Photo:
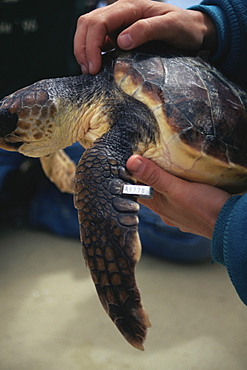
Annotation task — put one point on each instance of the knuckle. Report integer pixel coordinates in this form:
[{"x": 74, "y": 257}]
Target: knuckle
[
  {"x": 142, "y": 29},
  {"x": 152, "y": 177},
  {"x": 88, "y": 19},
  {"x": 81, "y": 20}
]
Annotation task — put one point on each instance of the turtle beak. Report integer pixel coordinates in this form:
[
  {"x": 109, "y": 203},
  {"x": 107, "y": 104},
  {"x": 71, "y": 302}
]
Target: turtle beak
[{"x": 8, "y": 124}]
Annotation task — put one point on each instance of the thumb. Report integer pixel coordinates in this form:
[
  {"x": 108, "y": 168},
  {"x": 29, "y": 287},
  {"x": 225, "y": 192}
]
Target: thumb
[{"x": 149, "y": 173}]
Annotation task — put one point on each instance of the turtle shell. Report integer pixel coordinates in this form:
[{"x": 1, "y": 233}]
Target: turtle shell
[{"x": 201, "y": 116}]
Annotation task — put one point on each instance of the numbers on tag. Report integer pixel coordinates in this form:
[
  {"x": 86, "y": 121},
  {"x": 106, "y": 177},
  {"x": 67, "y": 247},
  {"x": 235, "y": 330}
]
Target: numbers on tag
[{"x": 141, "y": 191}]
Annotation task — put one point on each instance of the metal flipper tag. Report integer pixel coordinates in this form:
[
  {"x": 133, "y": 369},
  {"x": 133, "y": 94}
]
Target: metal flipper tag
[{"x": 140, "y": 191}]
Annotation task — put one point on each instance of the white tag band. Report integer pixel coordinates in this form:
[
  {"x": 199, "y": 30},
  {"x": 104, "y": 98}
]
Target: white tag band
[{"x": 141, "y": 191}]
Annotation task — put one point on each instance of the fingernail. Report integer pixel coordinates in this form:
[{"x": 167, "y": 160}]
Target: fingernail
[
  {"x": 137, "y": 166},
  {"x": 125, "y": 41},
  {"x": 84, "y": 69}
]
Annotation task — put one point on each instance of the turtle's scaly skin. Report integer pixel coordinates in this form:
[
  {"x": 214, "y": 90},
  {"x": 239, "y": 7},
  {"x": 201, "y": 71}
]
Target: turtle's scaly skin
[
  {"x": 110, "y": 241},
  {"x": 176, "y": 110},
  {"x": 59, "y": 168}
]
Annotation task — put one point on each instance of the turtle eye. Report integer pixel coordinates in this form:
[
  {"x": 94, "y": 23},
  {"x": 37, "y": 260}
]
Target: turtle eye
[{"x": 8, "y": 122}]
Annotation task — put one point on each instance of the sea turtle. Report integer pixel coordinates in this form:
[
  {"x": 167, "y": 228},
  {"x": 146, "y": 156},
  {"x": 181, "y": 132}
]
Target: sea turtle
[{"x": 170, "y": 107}]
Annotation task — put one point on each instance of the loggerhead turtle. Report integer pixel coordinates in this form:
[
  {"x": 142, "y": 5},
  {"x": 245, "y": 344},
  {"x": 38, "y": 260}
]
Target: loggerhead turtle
[{"x": 175, "y": 109}]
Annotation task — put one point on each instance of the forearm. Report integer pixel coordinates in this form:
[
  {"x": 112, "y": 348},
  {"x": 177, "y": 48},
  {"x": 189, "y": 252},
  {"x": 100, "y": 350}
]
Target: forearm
[
  {"x": 229, "y": 243},
  {"x": 230, "y": 20}
]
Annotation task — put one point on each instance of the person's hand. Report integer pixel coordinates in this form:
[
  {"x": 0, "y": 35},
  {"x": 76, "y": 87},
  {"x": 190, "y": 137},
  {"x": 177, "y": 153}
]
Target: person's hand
[
  {"x": 190, "y": 206},
  {"x": 130, "y": 23}
]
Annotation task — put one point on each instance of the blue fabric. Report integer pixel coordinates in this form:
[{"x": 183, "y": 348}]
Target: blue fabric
[
  {"x": 230, "y": 19},
  {"x": 8, "y": 162},
  {"x": 54, "y": 210},
  {"x": 229, "y": 243}
]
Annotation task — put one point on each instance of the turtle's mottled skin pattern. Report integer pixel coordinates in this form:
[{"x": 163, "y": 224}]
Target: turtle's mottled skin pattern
[
  {"x": 109, "y": 239},
  {"x": 109, "y": 223},
  {"x": 174, "y": 109}
]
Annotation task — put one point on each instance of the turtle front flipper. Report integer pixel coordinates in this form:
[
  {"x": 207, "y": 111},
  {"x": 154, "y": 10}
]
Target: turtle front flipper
[{"x": 110, "y": 239}]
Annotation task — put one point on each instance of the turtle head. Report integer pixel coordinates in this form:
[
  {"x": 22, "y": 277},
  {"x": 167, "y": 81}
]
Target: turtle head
[{"x": 33, "y": 120}]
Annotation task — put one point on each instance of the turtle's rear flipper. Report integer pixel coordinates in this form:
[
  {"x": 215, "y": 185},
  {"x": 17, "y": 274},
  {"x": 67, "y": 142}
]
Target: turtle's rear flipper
[
  {"x": 110, "y": 239},
  {"x": 60, "y": 169}
]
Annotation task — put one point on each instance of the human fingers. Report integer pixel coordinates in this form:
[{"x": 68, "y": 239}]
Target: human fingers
[
  {"x": 150, "y": 174},
  {"x": 136, "y": 22},
  {"x": 193, "y": 207},
  {"x": 81, "y": 41},
  {"x": 94, "y": 28},
  {"x": 181, "y": 28}
]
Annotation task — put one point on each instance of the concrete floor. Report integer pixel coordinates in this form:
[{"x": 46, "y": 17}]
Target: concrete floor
[{"x": 51, "y": 318}]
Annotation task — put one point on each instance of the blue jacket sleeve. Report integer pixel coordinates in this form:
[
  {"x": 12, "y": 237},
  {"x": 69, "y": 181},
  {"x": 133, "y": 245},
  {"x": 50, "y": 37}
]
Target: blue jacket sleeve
[
  {"x": 230, "y": 19},
  {"x": 229, "y": 243}
]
